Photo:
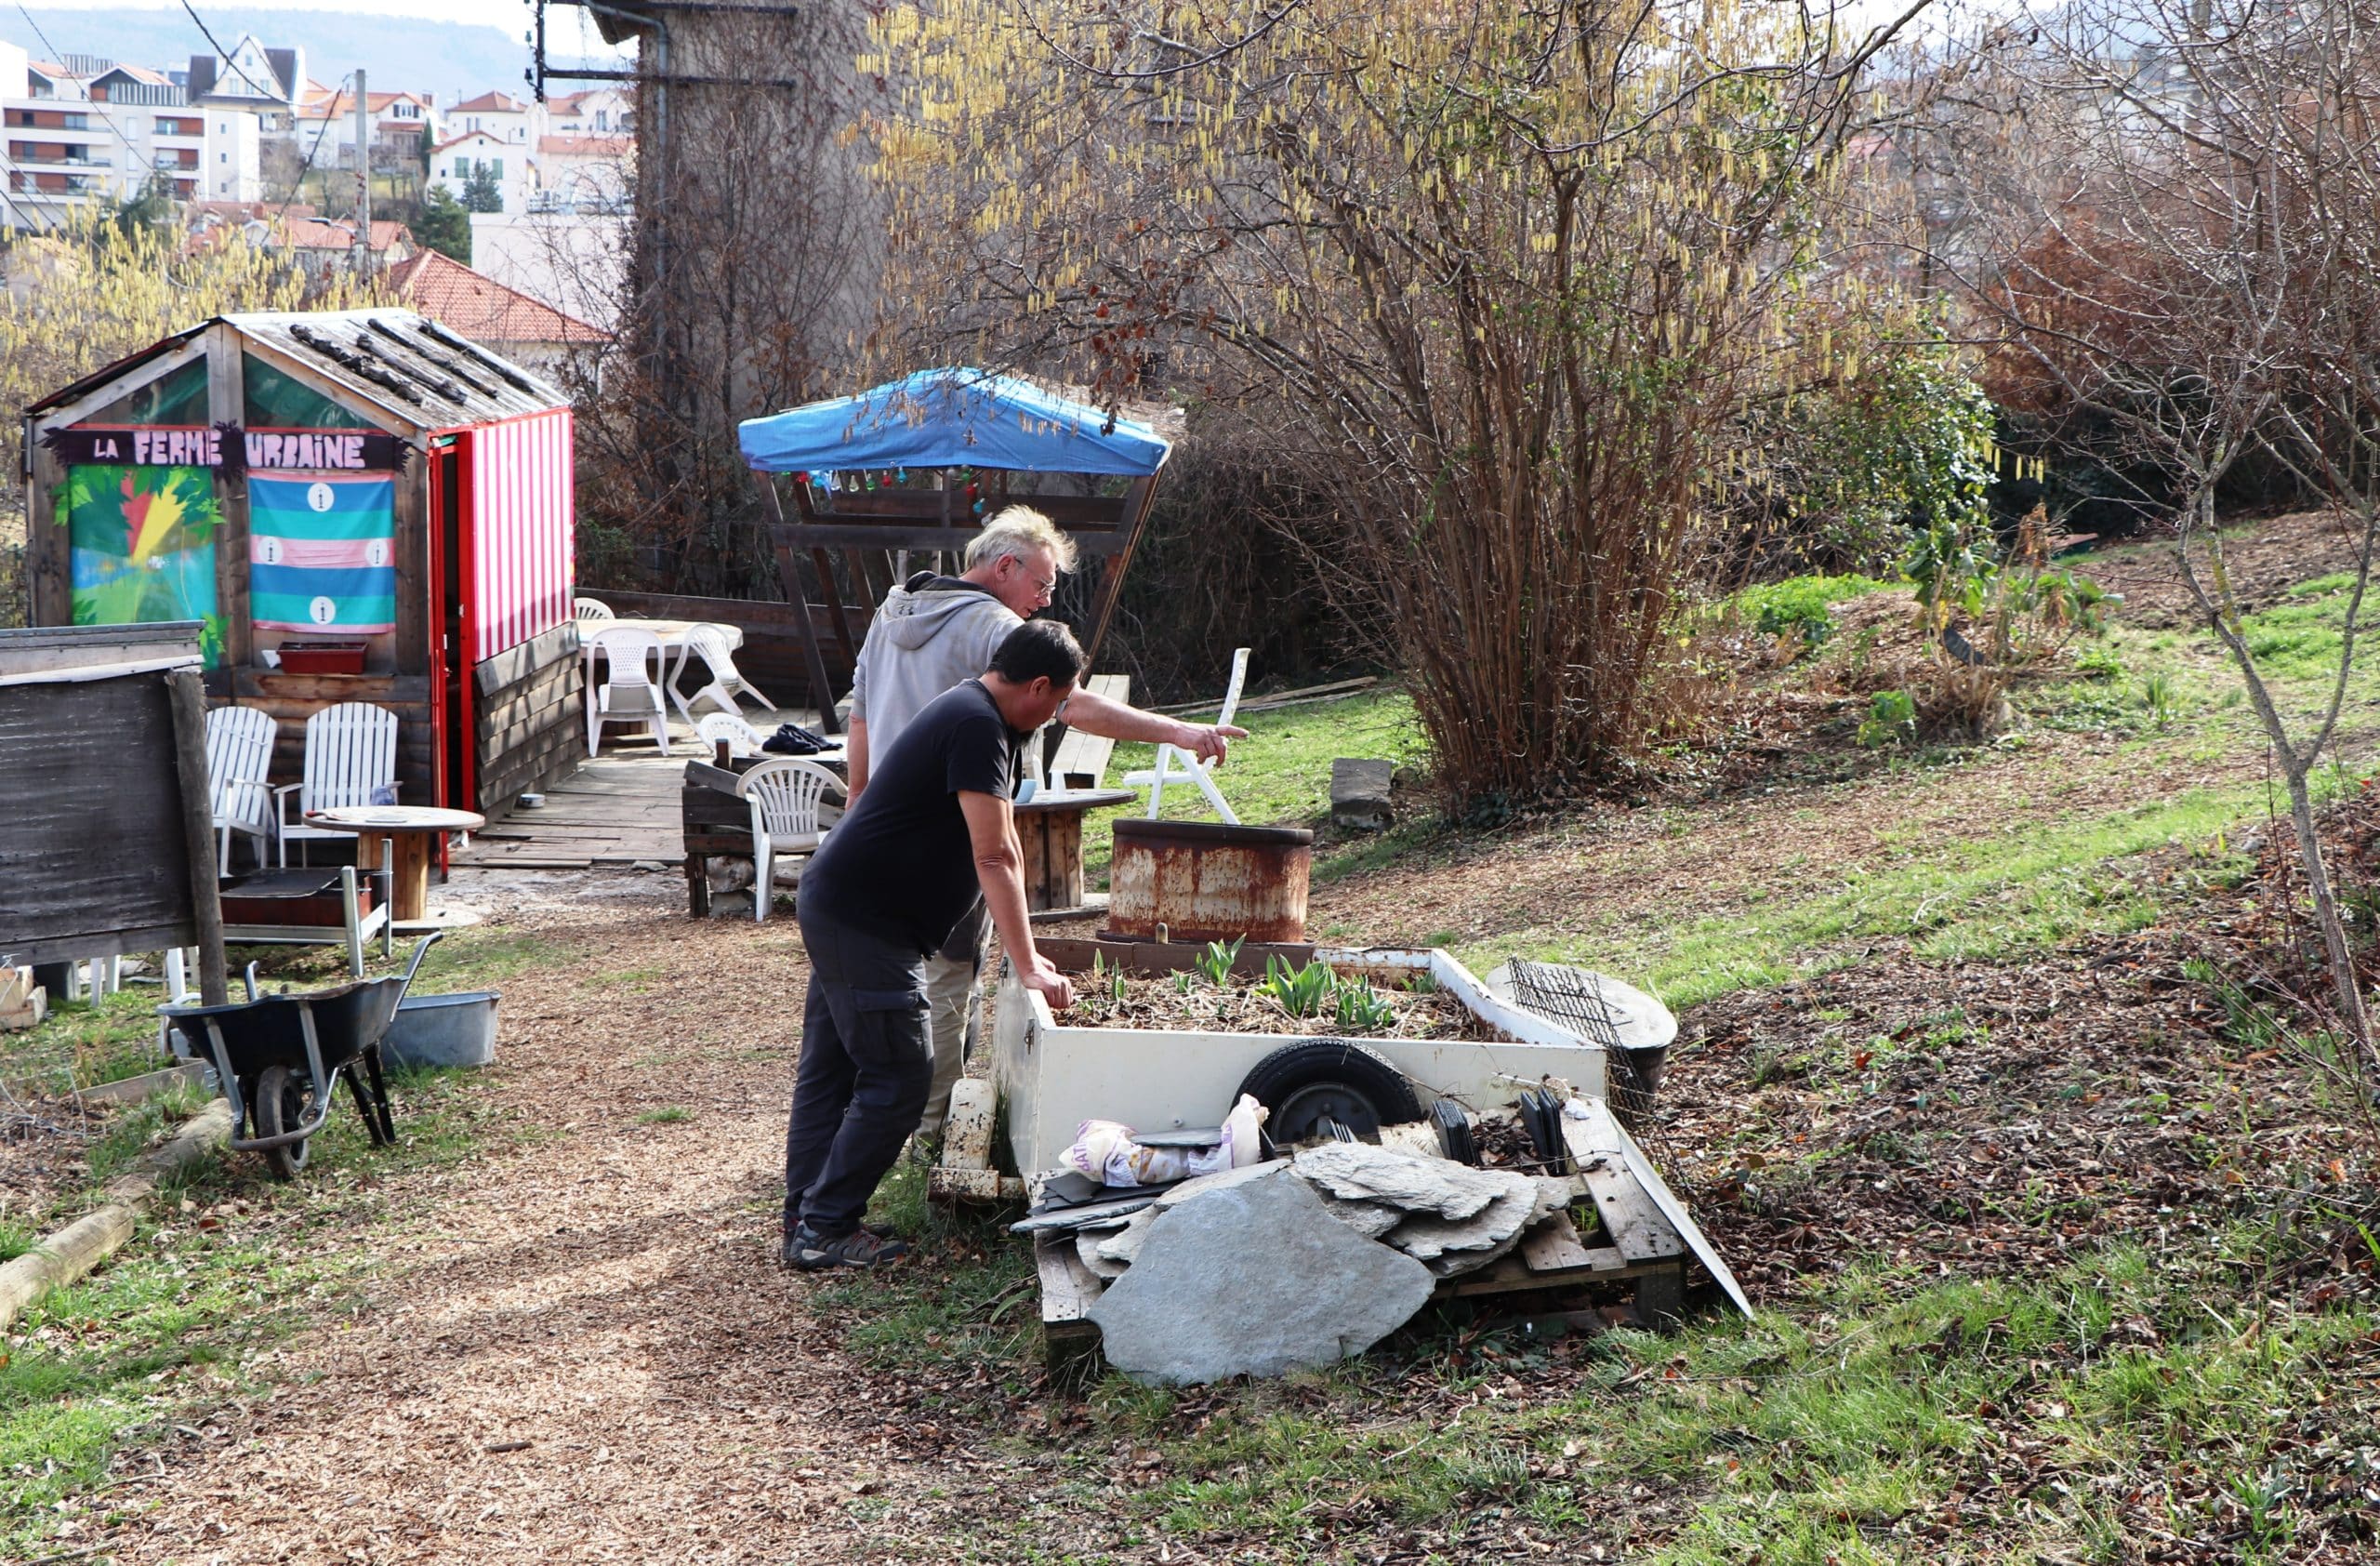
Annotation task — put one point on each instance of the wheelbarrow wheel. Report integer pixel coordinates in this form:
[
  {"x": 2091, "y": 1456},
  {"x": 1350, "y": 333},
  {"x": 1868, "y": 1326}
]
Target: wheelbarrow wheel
[{"x": 284, "y": 1099}]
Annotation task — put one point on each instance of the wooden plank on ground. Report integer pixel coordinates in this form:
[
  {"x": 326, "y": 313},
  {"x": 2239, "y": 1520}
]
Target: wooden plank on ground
[{"x": 1630, "y": 1214}]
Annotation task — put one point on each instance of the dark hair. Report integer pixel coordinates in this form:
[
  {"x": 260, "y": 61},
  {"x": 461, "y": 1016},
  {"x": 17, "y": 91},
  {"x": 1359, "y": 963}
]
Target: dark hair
[{"x": 1039, "y": 650}]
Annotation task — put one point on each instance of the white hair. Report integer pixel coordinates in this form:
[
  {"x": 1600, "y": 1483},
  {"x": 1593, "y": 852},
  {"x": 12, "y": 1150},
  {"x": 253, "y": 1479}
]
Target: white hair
[{"x": 1019, "y": 531}]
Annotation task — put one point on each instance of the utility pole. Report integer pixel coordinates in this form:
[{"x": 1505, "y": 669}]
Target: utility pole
[{"x": 362, "y": 177}]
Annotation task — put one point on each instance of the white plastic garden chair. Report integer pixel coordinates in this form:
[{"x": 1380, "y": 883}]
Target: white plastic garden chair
[
  {"x": 726, "y": 681},
  {"x": 351, "y": 761},
  {"x": 590, "y": 610},
  {"x": 628, "y": 694},
  {"x": 785, "y": 796},
  {"x": 742, "y": 738},
  {"x": 239, "y": 757},
  {"x": 1200, "y": 773}
]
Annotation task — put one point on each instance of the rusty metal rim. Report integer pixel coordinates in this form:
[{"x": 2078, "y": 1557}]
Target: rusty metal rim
[{"x": 1214, "y": 833}]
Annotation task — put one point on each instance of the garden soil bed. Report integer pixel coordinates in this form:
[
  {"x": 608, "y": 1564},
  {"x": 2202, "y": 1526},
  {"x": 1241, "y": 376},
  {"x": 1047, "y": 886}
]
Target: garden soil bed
[{"x": 1188, "y": 1002}]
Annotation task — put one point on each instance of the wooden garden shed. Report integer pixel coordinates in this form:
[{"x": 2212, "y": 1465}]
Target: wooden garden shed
[{"x": 363, "y": 478}]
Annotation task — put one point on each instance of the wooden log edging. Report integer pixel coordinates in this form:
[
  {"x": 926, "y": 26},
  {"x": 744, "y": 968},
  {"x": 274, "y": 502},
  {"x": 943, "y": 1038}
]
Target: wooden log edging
[{"x": 74, "y": 1250}]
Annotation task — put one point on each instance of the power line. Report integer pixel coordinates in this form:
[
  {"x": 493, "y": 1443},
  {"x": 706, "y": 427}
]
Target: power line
[{"x": 307, "y": 167}]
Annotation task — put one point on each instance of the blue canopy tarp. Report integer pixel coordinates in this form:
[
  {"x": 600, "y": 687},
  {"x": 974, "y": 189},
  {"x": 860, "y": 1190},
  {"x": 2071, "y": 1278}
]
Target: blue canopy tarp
[{"x": 950, "y": 419}]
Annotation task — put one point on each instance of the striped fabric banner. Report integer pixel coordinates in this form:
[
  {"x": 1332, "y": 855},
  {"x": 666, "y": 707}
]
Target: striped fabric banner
[
  {"x": 524, "y": 518},
  {"x": 322, "y": 553}
]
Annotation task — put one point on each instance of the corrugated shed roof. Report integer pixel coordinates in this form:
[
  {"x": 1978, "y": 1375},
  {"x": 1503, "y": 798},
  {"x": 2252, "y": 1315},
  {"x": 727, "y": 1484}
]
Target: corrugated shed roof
[
  {"x": 478, "y": 305},
  {"x": 398, "y": 361}
]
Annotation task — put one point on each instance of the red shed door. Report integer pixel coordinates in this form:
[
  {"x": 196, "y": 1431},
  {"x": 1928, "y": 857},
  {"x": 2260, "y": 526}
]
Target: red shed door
[{"x": 450, "y": 611}]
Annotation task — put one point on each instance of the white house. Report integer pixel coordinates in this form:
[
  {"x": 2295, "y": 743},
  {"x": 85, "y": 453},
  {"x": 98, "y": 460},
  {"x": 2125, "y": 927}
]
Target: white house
[
  {"x": 596, "y": 111},
  {"x": 324, "y": 125},
  {"x": 585, "y": 173},
  {"x": 507, "y": 119},
  {"x": 453, "y": 161},
  {"x": 249, "y": 78}
]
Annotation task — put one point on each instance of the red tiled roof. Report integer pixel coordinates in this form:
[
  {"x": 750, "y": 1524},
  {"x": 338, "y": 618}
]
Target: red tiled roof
[
  {"x": 330, "y": 105},
  {"x": 586, "y": 146},
  {"x": 315, "y": 233},
  {"x": 471, "y": 136},
  {"x": 479, "y": 307},
  {"x": 488, "y": 103}
]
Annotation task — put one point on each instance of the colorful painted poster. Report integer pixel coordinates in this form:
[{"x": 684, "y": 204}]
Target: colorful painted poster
[
  {"x": 322, "y": 554},
  {"x": 142, "y": 541}
]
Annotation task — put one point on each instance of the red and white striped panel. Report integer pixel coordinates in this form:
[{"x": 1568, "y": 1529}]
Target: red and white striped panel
[{"x": 523, "y": 525}]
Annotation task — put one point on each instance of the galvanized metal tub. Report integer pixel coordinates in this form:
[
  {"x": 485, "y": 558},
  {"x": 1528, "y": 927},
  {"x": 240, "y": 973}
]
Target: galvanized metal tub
[
  {"x": 458, "y": 1030},
  {"x": 1204, "y": 881}
]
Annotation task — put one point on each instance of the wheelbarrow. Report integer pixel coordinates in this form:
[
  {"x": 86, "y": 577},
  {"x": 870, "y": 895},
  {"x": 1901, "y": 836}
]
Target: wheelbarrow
[{"x": 279, "y": 1057}]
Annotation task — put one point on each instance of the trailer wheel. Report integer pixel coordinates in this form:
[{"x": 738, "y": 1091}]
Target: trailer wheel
[
  {"x": 284, "y": 1099},
  {"x": 1306, "y": 1084}
]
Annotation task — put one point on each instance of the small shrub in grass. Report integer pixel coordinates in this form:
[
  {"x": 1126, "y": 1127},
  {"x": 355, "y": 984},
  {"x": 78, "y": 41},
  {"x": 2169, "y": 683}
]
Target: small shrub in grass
[
  {"x": 2099, "y": 663},
  {"x": 1891, "y": 720},
  {"x": 1800, "y": 606},
  {"x": 2159, "y": 698}
]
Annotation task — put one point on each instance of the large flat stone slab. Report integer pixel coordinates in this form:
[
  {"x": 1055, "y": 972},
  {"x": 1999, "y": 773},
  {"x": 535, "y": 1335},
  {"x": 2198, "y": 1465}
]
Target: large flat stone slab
[
  {"x": 1256, "y": 1278},
  {"x": 1359, "y": 1172},
  {"x": 1359, "y": 793}
]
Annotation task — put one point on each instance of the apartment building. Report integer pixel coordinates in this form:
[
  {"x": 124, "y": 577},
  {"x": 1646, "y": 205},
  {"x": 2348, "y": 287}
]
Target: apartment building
[
  {"x": 456, "y": 160},
  {"x": 82, "y": 129}
]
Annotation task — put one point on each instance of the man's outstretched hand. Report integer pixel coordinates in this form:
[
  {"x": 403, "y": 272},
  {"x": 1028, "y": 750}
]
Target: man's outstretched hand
[{"x": 1207, "y": 742}]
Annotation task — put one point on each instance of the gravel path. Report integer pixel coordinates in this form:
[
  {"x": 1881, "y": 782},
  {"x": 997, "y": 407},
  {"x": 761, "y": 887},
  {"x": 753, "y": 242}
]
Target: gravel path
[{"x": 603, "y": 1291}]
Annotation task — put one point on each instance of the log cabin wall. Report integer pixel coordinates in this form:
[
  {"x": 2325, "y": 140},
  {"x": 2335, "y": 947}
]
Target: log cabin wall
[{"x": 529, "y": 716}]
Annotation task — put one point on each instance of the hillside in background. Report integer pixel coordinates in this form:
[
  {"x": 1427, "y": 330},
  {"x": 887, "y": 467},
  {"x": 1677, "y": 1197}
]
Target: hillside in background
[{"x": 398, "y": 52}]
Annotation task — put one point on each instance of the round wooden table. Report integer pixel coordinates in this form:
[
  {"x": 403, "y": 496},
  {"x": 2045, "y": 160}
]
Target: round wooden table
[
  {"x": 1049, "y": 829},
  {"x": 409, "y": 829}
]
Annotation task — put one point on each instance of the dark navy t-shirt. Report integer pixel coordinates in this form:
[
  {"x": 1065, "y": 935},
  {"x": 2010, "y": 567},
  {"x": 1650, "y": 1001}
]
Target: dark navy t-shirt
[{"x": 900, "y": 865}]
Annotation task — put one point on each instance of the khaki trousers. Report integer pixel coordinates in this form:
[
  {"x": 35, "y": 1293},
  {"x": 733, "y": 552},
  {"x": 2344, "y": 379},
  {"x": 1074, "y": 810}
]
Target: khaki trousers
[{"x": 950, "y": 990}]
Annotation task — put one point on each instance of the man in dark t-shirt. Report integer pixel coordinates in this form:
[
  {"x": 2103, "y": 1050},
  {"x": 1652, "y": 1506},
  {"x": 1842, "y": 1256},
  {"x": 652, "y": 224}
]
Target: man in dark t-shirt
[{"x": 931, "y": 830}]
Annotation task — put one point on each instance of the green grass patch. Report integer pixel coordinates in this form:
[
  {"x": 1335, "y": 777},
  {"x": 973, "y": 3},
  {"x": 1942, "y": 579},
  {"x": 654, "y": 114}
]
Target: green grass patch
[
  {"x": 2025, "y": 888},
  {"x": 1281, "y": 774},
  {"x": 168, "y": 1328},
  {"x": 668, "y": 1114},
  {"x": 1798, "y": 605}
]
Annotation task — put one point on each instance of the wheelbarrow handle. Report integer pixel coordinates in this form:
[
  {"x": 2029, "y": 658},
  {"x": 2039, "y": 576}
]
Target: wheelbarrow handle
[{"x": 419, "y": 952}]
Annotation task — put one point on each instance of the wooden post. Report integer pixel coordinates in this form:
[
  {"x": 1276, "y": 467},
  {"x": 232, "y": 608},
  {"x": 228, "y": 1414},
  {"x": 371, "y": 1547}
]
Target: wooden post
[
  {"x": 189, "y": 697},
  {"x": 1137, "y": 501}
]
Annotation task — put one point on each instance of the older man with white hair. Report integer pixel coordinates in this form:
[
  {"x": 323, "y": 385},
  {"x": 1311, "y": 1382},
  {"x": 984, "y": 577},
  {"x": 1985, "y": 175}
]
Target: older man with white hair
[{"x": 932, "y": 632}]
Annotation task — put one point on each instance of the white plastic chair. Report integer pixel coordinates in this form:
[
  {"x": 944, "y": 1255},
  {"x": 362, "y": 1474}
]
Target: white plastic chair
[
  {"x": 1200, "y": 773},
  {"x": 590, "y": 610},
  {"x": 239, "y": 757},
  {"x": 726, "y": 681},
  {"x": 628, "y": 694},
  {"x": 785, "y": 795},
  {"x": 351, "y": 760},
  {"x": 742, "y": 738}
]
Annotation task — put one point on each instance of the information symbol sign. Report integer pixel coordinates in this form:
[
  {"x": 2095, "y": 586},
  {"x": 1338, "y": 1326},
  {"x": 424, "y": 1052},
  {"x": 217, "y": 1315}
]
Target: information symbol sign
[
  {"x": 319, "y": 495},
  {"x": 324, "y": 610},
  {"x": 376, "y": 551},
  {"x": 269, "y": 550}
]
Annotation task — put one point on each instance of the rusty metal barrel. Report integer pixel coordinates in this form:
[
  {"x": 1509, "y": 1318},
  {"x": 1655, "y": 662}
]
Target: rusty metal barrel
[{"x": 1207, "y": 882}]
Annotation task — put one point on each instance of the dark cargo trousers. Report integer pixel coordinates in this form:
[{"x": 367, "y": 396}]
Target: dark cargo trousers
[{"x": 867, "y": 1061}]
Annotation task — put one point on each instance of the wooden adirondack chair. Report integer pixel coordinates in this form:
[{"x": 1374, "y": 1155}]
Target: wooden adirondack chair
[
  {"x": 239, "y": 758},
  {"x": 351, "y": 760},
  {"x": 1188, "y": 771}
]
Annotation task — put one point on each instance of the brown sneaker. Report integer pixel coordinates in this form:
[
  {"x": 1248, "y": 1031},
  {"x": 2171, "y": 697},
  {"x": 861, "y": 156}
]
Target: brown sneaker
[{"x": 807, "y": 1251}]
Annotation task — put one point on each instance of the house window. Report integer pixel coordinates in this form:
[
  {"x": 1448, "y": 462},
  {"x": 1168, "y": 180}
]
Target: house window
[{"x": 496, "y": 166}]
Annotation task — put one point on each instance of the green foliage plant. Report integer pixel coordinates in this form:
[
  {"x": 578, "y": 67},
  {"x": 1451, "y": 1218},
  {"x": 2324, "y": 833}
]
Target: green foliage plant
[
  {"x": 1298, "y": 991},
  {"x": 444, "y": 225},
  {"x": 1362, "y": 1009},
  {"x": 1891, "y": 720},
  {"x": 1218, "y": 960}
]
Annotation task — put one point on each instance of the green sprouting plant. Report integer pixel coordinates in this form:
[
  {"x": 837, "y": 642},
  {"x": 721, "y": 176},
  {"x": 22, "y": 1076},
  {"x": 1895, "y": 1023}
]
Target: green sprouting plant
[
  {"x": 1363, "y": 1009},
  {"x": 2157, "y": 694},
  {"x": 1892, "y": 717},
  {"x": 1181, "y": 982},
  {"x": 2099, "y": 663},
  {"x": 1219, "y": 960},
  {"x": 1301, "y": 992},
  {"x": 1421, "y": 981}
]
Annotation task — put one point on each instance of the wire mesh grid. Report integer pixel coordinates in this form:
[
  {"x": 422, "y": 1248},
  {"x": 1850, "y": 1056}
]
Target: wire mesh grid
[{"x": 1574, "y": 999}]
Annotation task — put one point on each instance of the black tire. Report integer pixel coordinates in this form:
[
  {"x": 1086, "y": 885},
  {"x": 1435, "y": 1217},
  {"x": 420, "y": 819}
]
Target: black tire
[
  {"x": 1317, "y": 1080},
  {"x": 285, "y": 1100}
]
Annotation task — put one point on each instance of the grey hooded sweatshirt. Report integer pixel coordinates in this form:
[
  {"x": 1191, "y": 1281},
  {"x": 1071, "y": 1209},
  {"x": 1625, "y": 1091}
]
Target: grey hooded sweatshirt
[{"x": 931, "y": 633}]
